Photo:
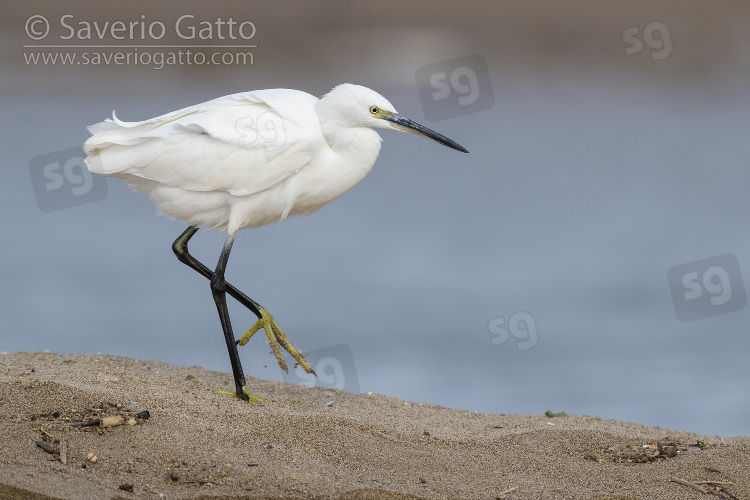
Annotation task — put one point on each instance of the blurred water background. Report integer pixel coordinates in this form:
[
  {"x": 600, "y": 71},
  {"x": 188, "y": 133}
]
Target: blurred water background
[{"x": 598, "y": 165}]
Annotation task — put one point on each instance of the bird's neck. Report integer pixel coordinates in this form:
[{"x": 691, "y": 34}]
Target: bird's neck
[{"x": 348, "y": 140}]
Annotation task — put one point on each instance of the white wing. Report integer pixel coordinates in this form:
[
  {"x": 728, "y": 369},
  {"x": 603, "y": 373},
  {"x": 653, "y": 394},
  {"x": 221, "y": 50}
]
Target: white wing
[{"x": 241, "y": 144}]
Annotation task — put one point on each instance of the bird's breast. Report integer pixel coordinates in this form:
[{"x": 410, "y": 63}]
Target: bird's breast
[{"x": 331, "y": 174}]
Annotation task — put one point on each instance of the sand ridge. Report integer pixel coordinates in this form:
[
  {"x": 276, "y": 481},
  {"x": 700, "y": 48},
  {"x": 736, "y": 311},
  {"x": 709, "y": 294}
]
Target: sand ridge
[{"x": 305, "y": 442}]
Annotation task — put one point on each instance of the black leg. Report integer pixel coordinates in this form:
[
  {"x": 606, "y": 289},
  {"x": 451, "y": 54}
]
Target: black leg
[
  {"x": 219, "y": 289},
  {"x": 180, "y": 249}
]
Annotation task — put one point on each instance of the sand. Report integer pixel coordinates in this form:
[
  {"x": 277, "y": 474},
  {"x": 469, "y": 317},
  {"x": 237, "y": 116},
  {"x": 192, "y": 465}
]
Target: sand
[{"x": 302, "y": 442}]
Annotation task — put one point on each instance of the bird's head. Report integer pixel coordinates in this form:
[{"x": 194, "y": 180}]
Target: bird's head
[{"x": 358, "y": 106}]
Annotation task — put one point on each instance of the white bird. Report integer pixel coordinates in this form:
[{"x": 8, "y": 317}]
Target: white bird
[{"x": 247, "y": 160}]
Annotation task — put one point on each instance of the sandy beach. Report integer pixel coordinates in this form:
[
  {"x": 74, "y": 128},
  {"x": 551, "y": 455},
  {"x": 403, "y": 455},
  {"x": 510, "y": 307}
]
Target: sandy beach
[{"x": 88, "y": 412}]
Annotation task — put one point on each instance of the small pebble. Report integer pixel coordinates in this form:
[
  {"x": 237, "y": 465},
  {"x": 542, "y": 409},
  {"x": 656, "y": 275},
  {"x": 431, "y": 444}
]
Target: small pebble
[
  {"x": 126, "y": 487},
  {"x": 48, "y": 447},
  {"x": 330, "y": 403}
]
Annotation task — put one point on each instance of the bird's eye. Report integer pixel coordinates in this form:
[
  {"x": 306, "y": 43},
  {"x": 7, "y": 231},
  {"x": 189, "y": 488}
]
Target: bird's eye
[{"x": 374, "y": 110}]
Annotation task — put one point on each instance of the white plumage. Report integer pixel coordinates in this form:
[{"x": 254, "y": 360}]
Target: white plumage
[{"x": 244, "y": 160}]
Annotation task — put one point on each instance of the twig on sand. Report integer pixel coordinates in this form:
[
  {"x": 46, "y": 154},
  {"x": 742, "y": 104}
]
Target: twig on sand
[
  {"x": 716, "y": 490},
  {"x": 114, "y": 420},
  {"x": 41, "y": 429},
  {"x": 500, "y": 495},
  {"x": 675, "y": 479},
  {"x": 86, "y": 423},
  {"x": 63, "y": 452}
]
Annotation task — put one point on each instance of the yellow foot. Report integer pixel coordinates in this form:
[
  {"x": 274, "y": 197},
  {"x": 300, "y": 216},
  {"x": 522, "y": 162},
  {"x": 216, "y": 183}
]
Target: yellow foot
[
  {"x": 253, "y": 399},
  {"x": 277, "y": 339}
]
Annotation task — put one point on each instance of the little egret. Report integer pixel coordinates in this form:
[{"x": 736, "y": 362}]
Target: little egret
[{"x": 247, "y": 160}]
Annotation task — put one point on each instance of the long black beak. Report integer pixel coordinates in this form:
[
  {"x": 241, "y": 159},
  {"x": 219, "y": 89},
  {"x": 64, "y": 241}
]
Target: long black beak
[{"x": 408, "y": 125}]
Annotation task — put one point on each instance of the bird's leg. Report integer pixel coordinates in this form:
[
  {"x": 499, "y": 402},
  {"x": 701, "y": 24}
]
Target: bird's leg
[
  {"x": 180, "y": 249},
  {"x": 219, "y": 289},
  {"x": 275, "y": 334}
]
